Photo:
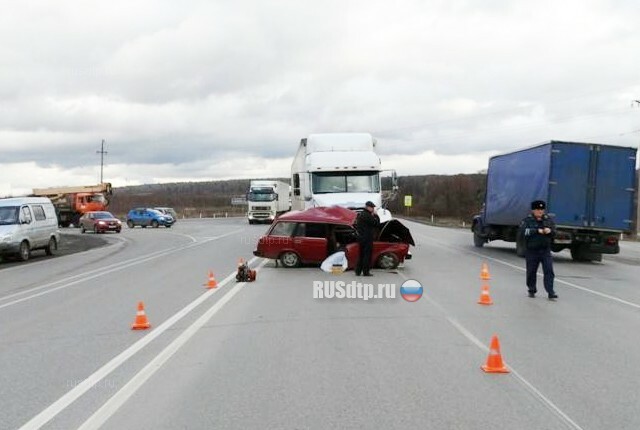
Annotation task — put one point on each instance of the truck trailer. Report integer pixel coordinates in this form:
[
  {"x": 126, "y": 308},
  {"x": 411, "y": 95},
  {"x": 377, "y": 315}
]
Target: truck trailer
[
  {"x": 341, "y": 169},
  {"x": 589, "y": 190},
  {"x": 266, "y": 200}
]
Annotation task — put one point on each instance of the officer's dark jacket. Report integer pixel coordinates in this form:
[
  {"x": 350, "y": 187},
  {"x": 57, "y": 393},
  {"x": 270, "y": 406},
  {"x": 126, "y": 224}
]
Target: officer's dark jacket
[
  {"x": 366, "y": 223},
  {"x": 529, "y": 232}
]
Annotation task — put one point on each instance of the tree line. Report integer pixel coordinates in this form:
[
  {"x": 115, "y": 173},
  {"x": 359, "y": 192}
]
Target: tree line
[{"x": 443, "y": 196}]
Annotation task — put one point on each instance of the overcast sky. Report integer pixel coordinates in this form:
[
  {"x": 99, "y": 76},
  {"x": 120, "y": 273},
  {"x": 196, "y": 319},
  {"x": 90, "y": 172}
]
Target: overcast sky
[{"x": 204, "y": 90}]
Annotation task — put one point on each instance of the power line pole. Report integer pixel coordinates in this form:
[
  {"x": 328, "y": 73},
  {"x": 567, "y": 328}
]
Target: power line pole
[{"x": 102, "y": 152}]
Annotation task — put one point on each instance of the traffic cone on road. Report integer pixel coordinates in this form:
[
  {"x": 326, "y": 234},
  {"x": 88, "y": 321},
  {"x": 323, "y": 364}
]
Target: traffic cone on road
[
  {"x": 141, "y": 322},
  {"x": 212, "y": 283},
  {"x": 485, "y": 298},
  {"x": 484, "y": 272},
  {"x": 494, "y": 361}
]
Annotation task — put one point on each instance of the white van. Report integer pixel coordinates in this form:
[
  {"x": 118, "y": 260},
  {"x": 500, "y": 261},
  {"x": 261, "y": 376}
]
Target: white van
[{"x": 28, "y": 223}]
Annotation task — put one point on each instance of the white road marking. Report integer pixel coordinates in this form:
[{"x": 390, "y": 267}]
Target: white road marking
[
  {"x": 92, "y": 274},
  {"x": 533, "y": 390},
  {"x": 72, "y": 395},
  {"x": 513, "y": 266},
  {"x": 129, "y": 389}
]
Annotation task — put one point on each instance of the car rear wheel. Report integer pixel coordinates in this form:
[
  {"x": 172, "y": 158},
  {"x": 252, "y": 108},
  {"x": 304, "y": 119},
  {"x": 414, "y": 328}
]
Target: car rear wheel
[
  {"x": 25, "y": 251},
  {"x": 388, "y": 261},
  {"x": 82, "y": 229},
  {"x": 52, "y": 247},
  {"x": 290, "y": 259},
  {"x": 130, "y": 224}
]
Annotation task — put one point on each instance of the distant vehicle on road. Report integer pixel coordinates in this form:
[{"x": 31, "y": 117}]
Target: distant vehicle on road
[
  {"x": 28, "y": 223},
  {"x": 168, "y": 211},
  {"x": 266, "y": 200},
  {"x": 145, "y": 217},
  {"x": 72, "y": 202},
  {"x": 99, "y": 222},
  {"x": 310, "y": 236}
]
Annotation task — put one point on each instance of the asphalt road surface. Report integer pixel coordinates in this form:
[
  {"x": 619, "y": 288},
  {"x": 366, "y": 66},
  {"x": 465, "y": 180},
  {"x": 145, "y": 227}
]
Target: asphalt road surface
[{"x": 268, "y": 355}]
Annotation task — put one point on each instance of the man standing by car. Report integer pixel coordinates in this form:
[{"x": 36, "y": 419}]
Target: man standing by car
[
  {"x": 537, "y": 230},
  {"x": 366, "y": 223}
]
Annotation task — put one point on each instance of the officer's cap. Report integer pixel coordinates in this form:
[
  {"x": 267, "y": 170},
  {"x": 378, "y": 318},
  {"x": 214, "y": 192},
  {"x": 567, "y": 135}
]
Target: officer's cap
[{"x": 538, "y": 204}]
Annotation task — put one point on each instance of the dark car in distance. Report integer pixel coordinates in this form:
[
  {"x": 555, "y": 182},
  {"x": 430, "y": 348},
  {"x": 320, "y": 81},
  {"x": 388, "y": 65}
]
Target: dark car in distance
[
  {"x": 99, "y": 222},
  {"x": 310, "y": 236}
]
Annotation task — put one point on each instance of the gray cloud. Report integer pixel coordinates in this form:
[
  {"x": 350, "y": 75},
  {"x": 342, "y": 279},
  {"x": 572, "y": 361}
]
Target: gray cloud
[{"x": 178, "y": 85}]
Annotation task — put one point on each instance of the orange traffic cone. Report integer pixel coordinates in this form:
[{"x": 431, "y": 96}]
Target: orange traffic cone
[
  {"x": 494, "y": 361},
  {"x": 485, "y": 298},
  {"x": 212, "y": 281},
  {"x": 484, "y": 272},
  {"x": 141, "y": 322}
]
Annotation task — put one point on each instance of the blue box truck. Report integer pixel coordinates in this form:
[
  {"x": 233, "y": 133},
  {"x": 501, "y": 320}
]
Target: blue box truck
[{"x": 589, "y": 190}]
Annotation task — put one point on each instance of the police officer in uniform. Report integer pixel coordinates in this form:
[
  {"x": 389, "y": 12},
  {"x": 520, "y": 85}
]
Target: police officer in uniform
[
  {"x": 537, "y": 231},
  {"x": 366, "y": 223}
]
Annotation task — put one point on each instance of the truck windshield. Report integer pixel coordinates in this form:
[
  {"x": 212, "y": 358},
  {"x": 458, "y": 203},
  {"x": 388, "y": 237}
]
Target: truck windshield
[
  {"x": 9, "y": 215},
  {"x": 97, "y": 198},
  {"x": 261, "y": 195},
  {"x": 352, "y": 182}
]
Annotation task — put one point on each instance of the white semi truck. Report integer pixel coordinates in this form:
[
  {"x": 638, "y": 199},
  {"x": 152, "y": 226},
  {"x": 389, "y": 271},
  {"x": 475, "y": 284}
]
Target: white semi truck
[
  {"x": 266, "y": 200},
  {"x": 341, "y": 169}
]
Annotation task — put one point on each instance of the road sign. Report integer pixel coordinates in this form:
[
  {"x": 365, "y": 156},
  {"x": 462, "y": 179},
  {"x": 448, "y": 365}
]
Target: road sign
[{"x": 408, "y": 201}]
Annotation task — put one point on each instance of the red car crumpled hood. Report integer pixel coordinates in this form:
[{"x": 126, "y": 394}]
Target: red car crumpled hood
[{"x": 330, "y": 215}]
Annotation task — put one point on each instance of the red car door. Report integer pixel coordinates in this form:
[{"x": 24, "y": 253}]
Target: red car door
[
  {"x": 310, "y": 242},
  {"x": 278, "y": 240}
]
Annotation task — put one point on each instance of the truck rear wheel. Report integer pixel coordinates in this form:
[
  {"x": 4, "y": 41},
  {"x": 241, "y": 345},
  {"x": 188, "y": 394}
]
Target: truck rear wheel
[
  {"x": 579, "y": 253},
  {"x": 478, "y": 241}
]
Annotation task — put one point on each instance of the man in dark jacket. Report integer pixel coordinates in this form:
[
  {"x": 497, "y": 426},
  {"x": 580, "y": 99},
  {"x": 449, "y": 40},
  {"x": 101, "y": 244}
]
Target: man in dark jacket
[
  {"x": 366, "y": 223},
  {"x": 537, "y": 231}
]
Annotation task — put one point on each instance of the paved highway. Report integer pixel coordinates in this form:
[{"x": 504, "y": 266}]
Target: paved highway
[{"x": 267, "y": 355}]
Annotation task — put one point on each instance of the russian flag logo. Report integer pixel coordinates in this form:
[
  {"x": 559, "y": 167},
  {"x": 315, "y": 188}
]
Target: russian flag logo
[{"x": 411, "y": 290}]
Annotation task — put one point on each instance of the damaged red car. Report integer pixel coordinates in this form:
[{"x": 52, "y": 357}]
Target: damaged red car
[{"x": 310, "y": 236}]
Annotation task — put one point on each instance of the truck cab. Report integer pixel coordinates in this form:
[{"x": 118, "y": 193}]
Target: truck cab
[
  {"x": 340, "y": 169},
  {"x": 266, "y": 199}
]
